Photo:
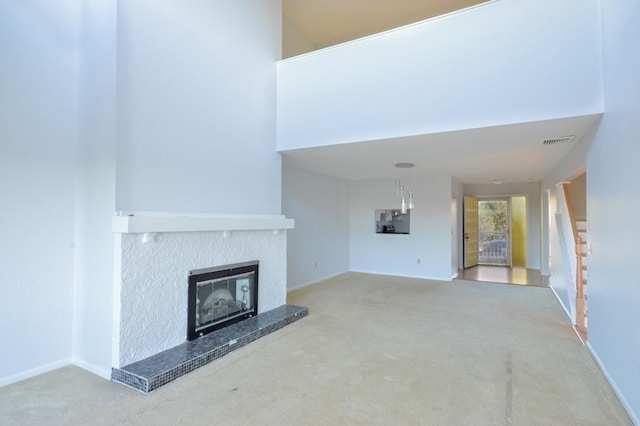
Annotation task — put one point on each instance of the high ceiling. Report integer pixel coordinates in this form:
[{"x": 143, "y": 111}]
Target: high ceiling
[
  {"x": 513, "y": 153},
  {"x": 328, "y": 22}
]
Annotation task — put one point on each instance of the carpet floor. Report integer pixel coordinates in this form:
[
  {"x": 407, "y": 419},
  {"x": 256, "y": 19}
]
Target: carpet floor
[{"x": 374, "y": 350}]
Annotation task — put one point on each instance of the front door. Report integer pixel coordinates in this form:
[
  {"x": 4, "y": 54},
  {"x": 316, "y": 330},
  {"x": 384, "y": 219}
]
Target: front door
[
  {"x": 493, "y": 231},
  {"x": 470, "y": 231}
]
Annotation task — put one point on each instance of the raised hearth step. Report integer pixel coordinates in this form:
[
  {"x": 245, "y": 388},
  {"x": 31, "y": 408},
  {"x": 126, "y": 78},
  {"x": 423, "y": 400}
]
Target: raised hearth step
[{"x": 158, "y": 370}]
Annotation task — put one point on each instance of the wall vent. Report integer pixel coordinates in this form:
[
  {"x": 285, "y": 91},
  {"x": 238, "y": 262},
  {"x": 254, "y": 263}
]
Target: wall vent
[{"x": 552, "y": 141}]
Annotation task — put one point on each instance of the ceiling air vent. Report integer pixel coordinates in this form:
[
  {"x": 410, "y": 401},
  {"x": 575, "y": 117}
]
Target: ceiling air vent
[{"x": 552, "y": 141}]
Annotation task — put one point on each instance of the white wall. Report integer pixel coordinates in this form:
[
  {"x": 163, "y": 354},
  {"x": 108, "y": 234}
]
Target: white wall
[
  {"x": 38, "y": 142},
  {"x": 574, "y": 163},
  {"x": 545, "y": 209},
  {"x": 569, "y": 167},
  {"x": 430, "y": 237},
  {"x": 457, "y": 213},
  {"x": 196, "y": 115},
  {"x": 120, "y": 105},
  {"x": 610, "y": 153},
  {"x": 613, "y": 200},
  {"x": 95, "y": 202},
  {"x": 502, "y": 62},
  {"x": 153, "y": 283},
  {"x": 318, "y": 247},
  {"x": 196, "y": 122},
  {"x": 532, "y": 193},
  {"x": 196, "y": 133}
]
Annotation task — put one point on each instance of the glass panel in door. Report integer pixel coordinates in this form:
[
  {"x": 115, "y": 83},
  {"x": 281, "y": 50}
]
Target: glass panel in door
[{"x": 493, "y": 232}]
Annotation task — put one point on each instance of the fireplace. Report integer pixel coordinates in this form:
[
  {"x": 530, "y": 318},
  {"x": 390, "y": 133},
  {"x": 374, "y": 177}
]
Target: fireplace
[
  {"x": 221, "y": 296},
  {"x": 156, "y": 251}
]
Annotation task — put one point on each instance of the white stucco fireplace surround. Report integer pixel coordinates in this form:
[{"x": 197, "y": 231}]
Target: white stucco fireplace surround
[{"x": 153, "y": 256}]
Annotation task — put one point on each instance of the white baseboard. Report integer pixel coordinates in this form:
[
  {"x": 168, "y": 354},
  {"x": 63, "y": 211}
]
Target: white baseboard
[
  {"x": 307, "y": 284},
  {"x": 612, "y": 383},
  {"x": 24, "y": 375},
  {"x": 421, "y": 277},
  {"x": 562, "y": 304},
  {"x": 328, "y": 277},
  {"x": 91, "y": 368}
]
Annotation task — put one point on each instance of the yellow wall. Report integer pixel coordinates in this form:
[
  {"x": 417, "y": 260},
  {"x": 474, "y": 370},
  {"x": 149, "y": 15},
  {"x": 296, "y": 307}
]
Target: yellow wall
[{"x": 519, "y": 230}]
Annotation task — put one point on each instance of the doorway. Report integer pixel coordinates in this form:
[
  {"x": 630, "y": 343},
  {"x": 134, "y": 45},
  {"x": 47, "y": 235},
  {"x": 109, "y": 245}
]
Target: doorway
[{"x": 494, "y": 232}]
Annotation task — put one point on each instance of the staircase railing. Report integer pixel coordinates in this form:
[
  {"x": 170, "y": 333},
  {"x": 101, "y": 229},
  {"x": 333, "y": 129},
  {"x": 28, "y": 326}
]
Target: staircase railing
[{"x": 581, "y": 305}]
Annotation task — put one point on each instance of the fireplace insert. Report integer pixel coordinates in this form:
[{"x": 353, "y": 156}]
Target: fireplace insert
[{"x": 221, "y": 296}]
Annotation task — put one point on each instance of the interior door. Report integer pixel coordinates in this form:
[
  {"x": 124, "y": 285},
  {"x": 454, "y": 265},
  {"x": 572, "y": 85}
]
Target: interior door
[{"x": 470, "y": 231}]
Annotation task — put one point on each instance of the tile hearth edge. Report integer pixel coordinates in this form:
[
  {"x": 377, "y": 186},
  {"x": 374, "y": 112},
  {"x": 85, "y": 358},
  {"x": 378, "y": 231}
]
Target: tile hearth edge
[{"x": 158, "y": 370}]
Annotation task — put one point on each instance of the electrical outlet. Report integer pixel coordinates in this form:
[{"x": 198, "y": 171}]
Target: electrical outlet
[
  {"x": 419, "y": 261},
  {"x": 316, "y": 264}
]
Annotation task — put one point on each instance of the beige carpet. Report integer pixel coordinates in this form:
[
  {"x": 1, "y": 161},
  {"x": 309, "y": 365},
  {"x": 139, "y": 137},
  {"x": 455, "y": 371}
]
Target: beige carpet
[{"x": 375, "y": 350}]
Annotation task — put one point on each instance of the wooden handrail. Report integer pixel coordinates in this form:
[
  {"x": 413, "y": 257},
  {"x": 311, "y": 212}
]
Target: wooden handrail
[{"x": 572, "y": 217}]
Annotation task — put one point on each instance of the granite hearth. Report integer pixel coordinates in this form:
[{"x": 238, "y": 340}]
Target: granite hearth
[{"x": 157, "y": 370}]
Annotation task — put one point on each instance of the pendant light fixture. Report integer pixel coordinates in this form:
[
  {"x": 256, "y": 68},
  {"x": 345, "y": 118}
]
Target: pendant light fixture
[{"x": 406, "y": 197}]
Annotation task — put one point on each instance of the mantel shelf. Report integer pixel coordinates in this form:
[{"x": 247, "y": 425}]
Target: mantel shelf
[{"x": 157, "y": 223}]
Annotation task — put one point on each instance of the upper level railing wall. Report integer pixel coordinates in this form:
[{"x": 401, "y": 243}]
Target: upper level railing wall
[
  {"x": 501, "y": 62},
  {"x": 568, "y": 246}
]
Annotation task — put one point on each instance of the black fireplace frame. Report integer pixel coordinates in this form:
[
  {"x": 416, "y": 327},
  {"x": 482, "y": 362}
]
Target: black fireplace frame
[{"x": 198, "y": 275}]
